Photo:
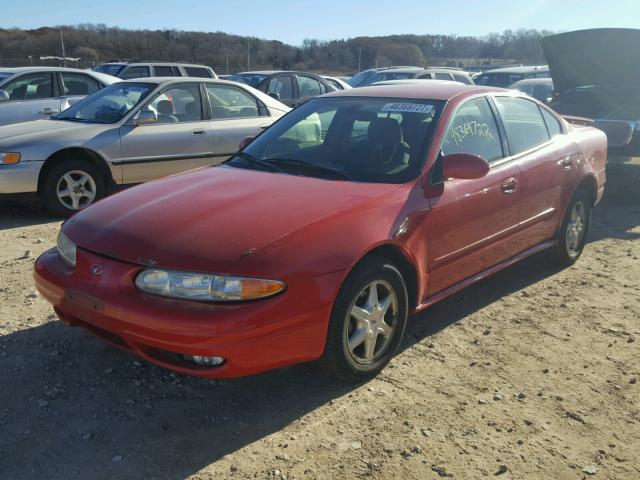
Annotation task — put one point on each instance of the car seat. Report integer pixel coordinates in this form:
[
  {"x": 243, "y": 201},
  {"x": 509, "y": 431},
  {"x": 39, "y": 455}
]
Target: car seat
[{"x": 384, "y": 148}]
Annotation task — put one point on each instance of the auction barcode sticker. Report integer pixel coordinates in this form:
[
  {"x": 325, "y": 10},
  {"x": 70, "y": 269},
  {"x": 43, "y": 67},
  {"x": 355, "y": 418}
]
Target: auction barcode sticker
[{"x": 408, "y": 107}]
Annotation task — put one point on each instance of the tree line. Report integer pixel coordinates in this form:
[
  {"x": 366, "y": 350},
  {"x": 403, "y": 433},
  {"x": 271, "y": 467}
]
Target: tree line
[{"x": 94, "y": 44}]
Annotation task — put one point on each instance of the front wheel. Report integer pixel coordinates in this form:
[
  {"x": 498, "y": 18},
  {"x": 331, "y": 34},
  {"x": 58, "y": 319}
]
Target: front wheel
[
  {"x": 367, "y": 322},
  {"x": 71, "y": 186},
  {"x": 572, "y": 235}
]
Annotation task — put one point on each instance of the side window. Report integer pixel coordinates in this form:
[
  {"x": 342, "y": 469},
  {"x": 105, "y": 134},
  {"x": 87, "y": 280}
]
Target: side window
[
  {"x": 523, "y": 123},
  {"x": 77, "y": 84},
  {"x": 30, "y": 87},
  {"x": 231, "y": 102},
  {"x": 198, "y": 72},
  {"x": 309, "y": 87},
  {"x": 552, "y": 123},
  {"x": 176, "y": 71},
  {"x": 178, "y": 104},
  {"x": 282, "y": 85},
  {"x": 135, "y": 72},
  {"x": 443, "y": 76},
  {"x": 163, "y": 71},
  {"x": 473, "y": 129},
  {"x": 460, "y": 78},
  {"x": 428, "y": 76}
]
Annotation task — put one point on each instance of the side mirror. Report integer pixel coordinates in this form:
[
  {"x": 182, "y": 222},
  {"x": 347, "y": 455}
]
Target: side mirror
[
  {"x": 4, "y": 96},
  {"x": 244, "y": 142},
  {"x": 275, "y": 95},
  {"x": 464, "y": 166},
  {"x": 145, "y": 117}
]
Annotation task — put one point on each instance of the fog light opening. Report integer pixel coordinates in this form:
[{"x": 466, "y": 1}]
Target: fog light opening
[{"x": 204, "y": 361}]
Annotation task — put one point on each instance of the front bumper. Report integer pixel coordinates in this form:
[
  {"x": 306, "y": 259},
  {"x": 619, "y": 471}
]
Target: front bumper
[
  {"x": 255, "y": 336},
  {"x": 21, "y": 177}
]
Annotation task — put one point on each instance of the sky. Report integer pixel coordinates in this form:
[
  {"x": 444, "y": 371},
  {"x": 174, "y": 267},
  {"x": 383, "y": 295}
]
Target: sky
[{"x": 292, "y": 21}]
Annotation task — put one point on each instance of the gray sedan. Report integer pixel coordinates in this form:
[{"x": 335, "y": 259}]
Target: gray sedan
[
  {"x": 32, "y": 93},
  {"x": 130, "y": 132}
]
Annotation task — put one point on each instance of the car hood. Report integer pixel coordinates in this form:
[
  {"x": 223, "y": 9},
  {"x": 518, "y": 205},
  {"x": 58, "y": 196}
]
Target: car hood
[
  {"x": 26, "y": 131},
  {"x": 601, "y": 56},
  {"x": 213, "y": 218}
]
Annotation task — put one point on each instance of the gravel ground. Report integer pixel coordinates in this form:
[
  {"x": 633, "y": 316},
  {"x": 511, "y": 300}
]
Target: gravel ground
[{"x": 533, "y": 373}]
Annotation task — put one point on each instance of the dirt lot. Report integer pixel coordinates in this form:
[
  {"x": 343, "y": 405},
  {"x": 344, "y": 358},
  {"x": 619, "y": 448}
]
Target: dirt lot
[{"x": 534, "y": 373}]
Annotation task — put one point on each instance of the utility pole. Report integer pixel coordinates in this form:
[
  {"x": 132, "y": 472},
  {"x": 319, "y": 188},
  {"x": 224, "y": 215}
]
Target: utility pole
[
  {"x": 359, "y": 59},
  {"x": 227, "y": 64},
  {"x": 64, "y": 56},
  {"x": 248, "y": 54}
]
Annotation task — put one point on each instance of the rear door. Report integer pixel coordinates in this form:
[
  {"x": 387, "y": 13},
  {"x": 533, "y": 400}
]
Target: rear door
[
  {"x": 235, "y": 114},
  {"x": 547, "y": 159},
  {"x": 472, "y": 221},
  {"x": 32, "y": 96},
  {"x": 308, "y": 87},
  {"x": 180, "y": 140}
]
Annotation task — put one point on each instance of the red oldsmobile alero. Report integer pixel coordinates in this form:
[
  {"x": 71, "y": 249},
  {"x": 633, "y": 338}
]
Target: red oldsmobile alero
[{"x": 320, "y": 237}]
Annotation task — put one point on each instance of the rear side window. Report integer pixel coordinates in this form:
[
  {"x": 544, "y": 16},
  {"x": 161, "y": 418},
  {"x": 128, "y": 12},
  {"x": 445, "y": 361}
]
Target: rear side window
[
  {"x": 135, "y": 72},
  {"x": 443, "y": 76},
  {"x": 231, "y": 102},
  {"x": 198, "y": 72},
  {"x": 76, "y": 84},
  {"x": 473, "y": 129},
  {"x": 552, "y": 123},
  {"x": 163, "y": 71},
  {"x": 523, "y": 123},
  {"x": 282, "y": 85},
  {"x": 461, "y": 78},
  {"x": 309, "y": 87}
]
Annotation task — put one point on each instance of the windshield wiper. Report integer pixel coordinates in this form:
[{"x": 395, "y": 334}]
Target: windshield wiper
[
  {"x": 312, "y": 167},
  {"x": 255, "y": 161}
]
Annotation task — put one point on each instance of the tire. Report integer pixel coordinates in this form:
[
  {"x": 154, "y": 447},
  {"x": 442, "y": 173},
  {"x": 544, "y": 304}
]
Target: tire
[
  {"x": 361, "y": 362},
  {"x": 572, "y": 236},
  {"x": 81, "y": 178}
]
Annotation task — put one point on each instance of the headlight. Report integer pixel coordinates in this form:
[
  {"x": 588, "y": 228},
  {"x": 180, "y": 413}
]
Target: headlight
[
  {"x": 66, "y": 249},
  {"x": 207, "y": 287},
  {"x": 9, "y": 158}
]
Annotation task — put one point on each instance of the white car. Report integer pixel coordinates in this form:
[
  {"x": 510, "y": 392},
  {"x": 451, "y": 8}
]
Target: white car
[
  {"x": 33, "y": 93},
  {"x": 131, "y": 132}
]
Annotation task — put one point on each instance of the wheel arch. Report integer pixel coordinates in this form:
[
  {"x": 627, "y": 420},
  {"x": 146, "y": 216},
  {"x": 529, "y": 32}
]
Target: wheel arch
[
  {"x": 79, "y": 153},
  {"x": 396, "y": 255}
]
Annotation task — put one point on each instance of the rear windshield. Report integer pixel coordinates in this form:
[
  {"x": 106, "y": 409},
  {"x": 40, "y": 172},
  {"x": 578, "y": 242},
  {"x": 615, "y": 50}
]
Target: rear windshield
[
  {"x": 251, "y": 79},
  {"x": 382, "y": 140},
  {"x": 198, "y": 72},
  {"x": 498, "y": 79},
  {"x": 110, "y": 69}
]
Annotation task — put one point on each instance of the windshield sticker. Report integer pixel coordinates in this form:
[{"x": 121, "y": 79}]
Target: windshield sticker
[
  {"x": 408, "y": 107},
  {"x": 475, "y": 129}
]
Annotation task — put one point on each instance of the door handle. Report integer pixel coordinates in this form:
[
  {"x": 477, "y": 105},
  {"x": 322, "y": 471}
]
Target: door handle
[
  {"x": 509, "y": 186},
  {"x": 199, "y": 131},
  {"x": 567, "y": 162},
  {"x": 48, "y": 111}
]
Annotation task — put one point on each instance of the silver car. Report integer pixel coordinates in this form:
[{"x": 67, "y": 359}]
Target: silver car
[
  {"x": 32, "y": 93},
  {"x": 130, "y": 132}
]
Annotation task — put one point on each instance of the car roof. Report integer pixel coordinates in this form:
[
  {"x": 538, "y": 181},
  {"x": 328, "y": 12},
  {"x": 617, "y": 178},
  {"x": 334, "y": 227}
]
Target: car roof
[
  {"x": 157, "y": 63},
  {"x": 273, "y": 72},
  {"x": 413, "y": 81},
  {"x": 163, "y": 80},
  {"x": 427, "y": 90},
  {"x": 40, "y": 69},
  {"x": 519, "y": 69},
  {"x": 401, "y": 69},
  {"x": 526, "y": 81}
]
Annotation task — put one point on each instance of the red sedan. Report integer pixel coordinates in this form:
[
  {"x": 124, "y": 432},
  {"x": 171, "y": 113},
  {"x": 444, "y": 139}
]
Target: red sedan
[{"x": 327, "y": 231}]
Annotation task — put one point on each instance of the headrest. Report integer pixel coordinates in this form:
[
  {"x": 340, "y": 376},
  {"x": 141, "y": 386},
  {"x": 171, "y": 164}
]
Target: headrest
[
  {"x": 385, "y": 131},
  {"x": 165, "y": 107}
]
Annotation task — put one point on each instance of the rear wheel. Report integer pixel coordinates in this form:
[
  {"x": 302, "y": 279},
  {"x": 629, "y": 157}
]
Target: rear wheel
[
  {"x": 71, "y": 186},
  {"x": 367, "y": 322},
  {"x": 572, "y": 235}
]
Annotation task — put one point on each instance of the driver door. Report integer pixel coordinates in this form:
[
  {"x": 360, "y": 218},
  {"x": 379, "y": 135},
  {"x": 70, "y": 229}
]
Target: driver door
[
  {"x": 180, "y": 140},
  {"x": 472, "y": 221}
]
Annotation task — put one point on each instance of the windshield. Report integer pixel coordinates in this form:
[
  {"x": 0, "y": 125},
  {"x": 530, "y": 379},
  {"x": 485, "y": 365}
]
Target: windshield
[
  {"x": 4, "y": 76},
  {"x": 110, "y": 69},
  {"x": 381, "y": 140},
  {"x": 250, "y": 79},
  {"x": 108, "y": 105},
  {"x": 359, "y": 78}
]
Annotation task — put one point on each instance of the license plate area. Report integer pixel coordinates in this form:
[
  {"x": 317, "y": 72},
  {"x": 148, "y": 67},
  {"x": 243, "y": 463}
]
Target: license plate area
[{"x": 82, "y": 305}]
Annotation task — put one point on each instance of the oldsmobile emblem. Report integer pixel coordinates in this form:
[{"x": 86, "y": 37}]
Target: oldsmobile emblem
[{"x": 95, "y": 269}]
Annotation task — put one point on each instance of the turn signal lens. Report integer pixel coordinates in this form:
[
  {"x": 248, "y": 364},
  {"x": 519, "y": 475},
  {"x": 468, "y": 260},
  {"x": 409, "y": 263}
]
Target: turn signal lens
[
  {"x": 205, "y": 287},
  {"x": 10, "y": 158}
]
